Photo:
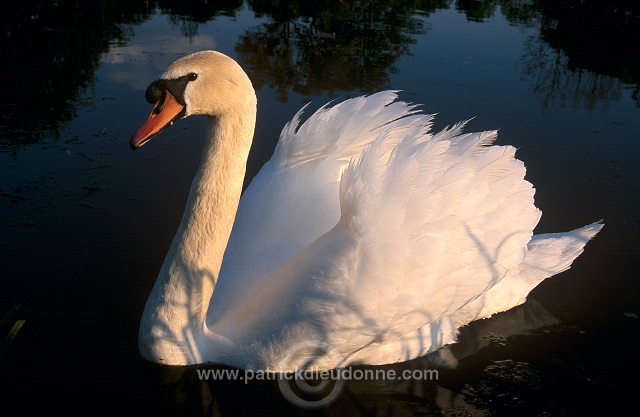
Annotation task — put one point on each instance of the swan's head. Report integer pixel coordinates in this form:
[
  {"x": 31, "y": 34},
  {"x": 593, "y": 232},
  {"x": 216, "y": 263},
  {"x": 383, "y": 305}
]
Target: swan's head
[{"x": 206, "y": 82}]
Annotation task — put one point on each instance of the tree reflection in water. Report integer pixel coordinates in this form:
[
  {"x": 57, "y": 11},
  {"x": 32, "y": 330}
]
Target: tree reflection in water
[
  {"x": 584, "y": 55},
  {"x": 586, "y": 51},
  {"x": 313, "y": 47},
  {"x": 548, "y": 72},
  {"x": 51, "y": 51}
]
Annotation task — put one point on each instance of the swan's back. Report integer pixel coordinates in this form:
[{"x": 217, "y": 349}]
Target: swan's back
[{"x": 369, "y": 233}]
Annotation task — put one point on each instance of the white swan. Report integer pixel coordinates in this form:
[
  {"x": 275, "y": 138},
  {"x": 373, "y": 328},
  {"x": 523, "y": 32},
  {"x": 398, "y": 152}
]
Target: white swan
[{"x": 365, "y": 236}]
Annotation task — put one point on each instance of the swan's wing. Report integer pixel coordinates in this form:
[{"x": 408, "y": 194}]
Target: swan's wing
[
  {"x": 294, "y": 198},
  {"x": 428, "y": 225},
  {"x": 436, "y": 222}
]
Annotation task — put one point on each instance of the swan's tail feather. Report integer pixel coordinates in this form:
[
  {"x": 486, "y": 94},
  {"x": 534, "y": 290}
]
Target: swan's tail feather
[
  {"x": 547, "y": 255},
  {"x": 551, "y": 253}
]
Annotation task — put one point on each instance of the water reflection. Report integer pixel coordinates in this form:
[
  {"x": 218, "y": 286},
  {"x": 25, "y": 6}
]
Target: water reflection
[
  {"x": 134, "y": 64},
  {"x": 316, "y": 47},
  {"x": 549, "y": 74},
  {"x": 52, "y": 50},
  {"x": 70, "y": 224},
  {"x": 585, "y": 53},
  {"x": 189, "y": 15},
  {"x": 452, "y": 381},
  {"x": 481, "y": 375}
]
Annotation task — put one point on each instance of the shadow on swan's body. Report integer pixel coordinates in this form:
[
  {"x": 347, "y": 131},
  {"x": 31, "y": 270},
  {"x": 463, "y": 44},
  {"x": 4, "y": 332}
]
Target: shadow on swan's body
[
  {"x": 365, "y": 239},
  {"x": 438, "y": 381}
]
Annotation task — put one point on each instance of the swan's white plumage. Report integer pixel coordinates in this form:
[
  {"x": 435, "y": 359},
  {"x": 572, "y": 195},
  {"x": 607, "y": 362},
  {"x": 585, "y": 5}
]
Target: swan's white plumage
[
  {"x": 295, "y": 197},
  {"x": 370, "y": 234}
]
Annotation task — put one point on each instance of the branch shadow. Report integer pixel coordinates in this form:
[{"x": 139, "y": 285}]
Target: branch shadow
[{"x": 184, "y": 392}]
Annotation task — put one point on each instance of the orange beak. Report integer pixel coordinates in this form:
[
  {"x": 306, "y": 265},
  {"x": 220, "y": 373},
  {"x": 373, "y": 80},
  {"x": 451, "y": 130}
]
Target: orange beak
[{"x": 165, "y": 111}]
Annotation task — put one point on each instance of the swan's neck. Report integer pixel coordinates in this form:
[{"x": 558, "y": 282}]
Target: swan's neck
[
  {"x": 213, "y": 200},
  {"x": 174, "y": 316}
]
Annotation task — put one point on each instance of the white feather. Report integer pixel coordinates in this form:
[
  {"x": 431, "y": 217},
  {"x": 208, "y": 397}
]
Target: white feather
[
  {"x": 375, "y": 236},
  {"x": 365, "y": 232}
]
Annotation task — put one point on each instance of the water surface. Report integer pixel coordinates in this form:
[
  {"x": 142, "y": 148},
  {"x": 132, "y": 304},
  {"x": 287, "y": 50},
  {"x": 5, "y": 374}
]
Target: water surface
[{"x": 86, "y": 222}]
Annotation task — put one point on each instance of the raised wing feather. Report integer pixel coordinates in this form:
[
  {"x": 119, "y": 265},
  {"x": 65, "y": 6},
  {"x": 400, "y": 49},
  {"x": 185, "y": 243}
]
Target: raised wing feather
[
  {"x": 294, "y": 198},
  {"x": 382, "y": 243},
  {"x": 427, "y": 227}
]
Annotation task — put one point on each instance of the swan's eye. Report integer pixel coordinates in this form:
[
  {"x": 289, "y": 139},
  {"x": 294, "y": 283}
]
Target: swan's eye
[{"x": 192, "y": 76}]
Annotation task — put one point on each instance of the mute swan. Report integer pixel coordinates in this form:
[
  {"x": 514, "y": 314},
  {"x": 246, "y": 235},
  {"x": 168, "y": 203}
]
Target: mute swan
[{"x": 365, "y": 235}]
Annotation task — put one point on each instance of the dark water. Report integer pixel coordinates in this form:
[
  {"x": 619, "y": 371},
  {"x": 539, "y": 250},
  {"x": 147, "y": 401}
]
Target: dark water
[{"x": 86, "y": 222}]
